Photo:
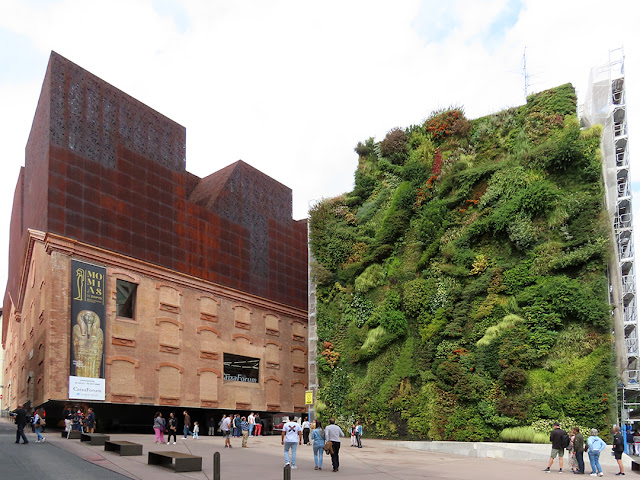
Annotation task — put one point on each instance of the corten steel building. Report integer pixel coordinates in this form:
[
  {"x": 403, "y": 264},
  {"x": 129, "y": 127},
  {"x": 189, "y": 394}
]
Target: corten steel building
[{"x": 134, "y": 283}]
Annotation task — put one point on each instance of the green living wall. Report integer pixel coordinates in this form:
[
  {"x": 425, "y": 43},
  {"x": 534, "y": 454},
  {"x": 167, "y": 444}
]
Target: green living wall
[{"x": 462, "y": 283}]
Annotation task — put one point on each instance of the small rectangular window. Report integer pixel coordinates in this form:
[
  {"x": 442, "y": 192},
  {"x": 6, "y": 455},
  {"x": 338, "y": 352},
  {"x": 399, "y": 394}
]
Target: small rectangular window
[{"x": 125, "y": 298}]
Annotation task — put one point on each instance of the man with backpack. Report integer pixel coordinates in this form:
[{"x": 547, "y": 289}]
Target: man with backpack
[
  {"x": 618, "y": 448},
  {"x": 291, "y": 438},
  {"x": 559, "y": 441}
]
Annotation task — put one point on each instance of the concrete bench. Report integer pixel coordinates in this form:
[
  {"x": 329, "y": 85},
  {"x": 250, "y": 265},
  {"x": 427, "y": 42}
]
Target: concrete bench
[
  {"x": 124, "y": 448},
  {"x": 180, "y": 462},
  {"x": 75, "y": 434},
  {"x": 94, "y": 438}
]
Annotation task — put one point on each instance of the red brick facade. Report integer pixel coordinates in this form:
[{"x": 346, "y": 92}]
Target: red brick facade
[{"x": 219, "y": 262}]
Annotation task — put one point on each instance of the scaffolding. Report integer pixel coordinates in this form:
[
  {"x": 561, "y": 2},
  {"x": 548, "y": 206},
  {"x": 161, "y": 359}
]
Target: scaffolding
[{"x": 605, "y": 104}]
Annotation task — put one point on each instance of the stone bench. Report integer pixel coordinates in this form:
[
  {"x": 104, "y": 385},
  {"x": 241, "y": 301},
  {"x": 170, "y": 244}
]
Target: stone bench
[
  {"x": 179, "y": 462},
  {"x": 75, "y": 434},
  {"x": 94, "y": 438},
  {"x": 123, "y": 448}
]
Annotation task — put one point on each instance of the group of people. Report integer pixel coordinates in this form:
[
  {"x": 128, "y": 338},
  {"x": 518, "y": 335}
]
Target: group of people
[
  {"x": 576, "y": 446},
  {"x": 170, "y": 427},
  {"x": 240, "y": 426},
  {"x": 76, "y": 420},
  {"x": 324, "y": 440}
]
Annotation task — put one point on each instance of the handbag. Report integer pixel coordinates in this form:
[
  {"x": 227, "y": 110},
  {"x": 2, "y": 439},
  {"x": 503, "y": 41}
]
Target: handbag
[{"x": 328, "y": 447}]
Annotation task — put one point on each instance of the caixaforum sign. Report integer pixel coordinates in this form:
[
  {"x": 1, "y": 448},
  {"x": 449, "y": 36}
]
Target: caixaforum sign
[{"x": 84, "y": 388}]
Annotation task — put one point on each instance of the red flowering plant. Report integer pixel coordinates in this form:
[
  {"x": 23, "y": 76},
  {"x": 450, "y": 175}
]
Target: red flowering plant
[{"x": 442, "y": 124}]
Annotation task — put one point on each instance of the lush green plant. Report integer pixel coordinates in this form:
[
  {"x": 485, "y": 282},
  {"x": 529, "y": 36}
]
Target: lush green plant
[
  {"x": 462, "y": 285},
  {"x": 523, "y": 435}
]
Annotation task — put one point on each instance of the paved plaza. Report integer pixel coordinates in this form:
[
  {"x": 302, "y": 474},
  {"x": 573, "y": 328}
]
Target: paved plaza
[{"x": 60, "y": 458}]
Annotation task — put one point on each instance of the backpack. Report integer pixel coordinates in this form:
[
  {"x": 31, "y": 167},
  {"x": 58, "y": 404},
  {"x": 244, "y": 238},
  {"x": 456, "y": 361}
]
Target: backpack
[{"x": 566, "y": 440}]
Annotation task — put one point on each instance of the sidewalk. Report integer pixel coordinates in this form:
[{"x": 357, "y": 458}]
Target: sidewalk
[{"x": 378, "y": 459}]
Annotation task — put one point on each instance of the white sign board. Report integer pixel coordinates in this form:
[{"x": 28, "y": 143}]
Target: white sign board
[{"x": 86, "y": 388}]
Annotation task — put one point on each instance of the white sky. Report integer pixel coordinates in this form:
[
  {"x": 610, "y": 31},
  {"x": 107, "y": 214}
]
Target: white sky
[{"x": 291, "y": 86}]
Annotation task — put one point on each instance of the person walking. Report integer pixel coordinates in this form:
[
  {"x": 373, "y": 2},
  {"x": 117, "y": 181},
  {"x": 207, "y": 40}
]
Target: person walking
[
  {"x": 246, "y": 431},
  {"x": 595, "y": 445},
  {"x": 158, "y": 427},
  {"x": 578, "y": 448},
  {"x": 557, "y": 448},
  {"x": 38, "y": 424},
  {"x": 187, "y": 425},
  {"x": 332, "y": 434},
  {"x": 173, "y": 428},
  {"x": 618, "y": 448},
  {"x": 358, "y": 433},
  {"x": 225, "y": 428},
  {"x": 291, "y": 438},
  {"x": 21, "y": 422},
  {"x": 317, "y": 438},
  {"x": 196, "y": 430},
  {"x": 306, "y": 429}
]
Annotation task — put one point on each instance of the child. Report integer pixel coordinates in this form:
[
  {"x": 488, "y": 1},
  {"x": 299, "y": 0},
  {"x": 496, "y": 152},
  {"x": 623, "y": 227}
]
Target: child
[
  {"x": 196, "y": 430},
  {"x": 352, "y": 430}
]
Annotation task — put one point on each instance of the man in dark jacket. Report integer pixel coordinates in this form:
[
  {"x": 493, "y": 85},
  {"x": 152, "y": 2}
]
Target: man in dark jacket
[
  {"x": 618, "y": 448},
  {"x": 21, "y": 421},
  {"x": 578, "y": 448},
  {"x": 557, "y": 448},
  {"x": 187, "y": 425}
]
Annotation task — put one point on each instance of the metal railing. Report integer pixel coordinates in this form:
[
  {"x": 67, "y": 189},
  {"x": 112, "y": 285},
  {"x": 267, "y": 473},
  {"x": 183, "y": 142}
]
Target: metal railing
[
  {"x": 628, "y": 284},
  {"x": 629, "y": 314},
  {"x": 622, "y": 221}
]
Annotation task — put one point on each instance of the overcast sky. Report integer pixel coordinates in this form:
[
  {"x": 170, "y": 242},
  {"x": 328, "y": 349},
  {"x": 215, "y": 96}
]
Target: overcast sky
[{"x": 290, "y": 87}]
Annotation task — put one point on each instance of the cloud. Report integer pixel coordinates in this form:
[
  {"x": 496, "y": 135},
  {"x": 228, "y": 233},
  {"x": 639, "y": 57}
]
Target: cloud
[{"x": 291, "y": 87}]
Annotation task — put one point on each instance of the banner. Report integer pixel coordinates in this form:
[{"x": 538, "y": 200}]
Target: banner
[
  {"x": 88, "y": 312},
  {"x": 241, "y": 369}
]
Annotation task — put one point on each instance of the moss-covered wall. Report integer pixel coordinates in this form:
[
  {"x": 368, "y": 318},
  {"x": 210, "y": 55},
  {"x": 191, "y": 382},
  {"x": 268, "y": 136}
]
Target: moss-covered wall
[{"x": 462, "y": 283}]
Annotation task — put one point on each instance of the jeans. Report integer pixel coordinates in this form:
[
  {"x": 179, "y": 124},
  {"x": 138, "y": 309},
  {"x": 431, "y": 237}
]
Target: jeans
[
  {"x": 594, "y": 459},
  {"x": 580, "y": 461},
  {"x": 294, "y": 447},
  {"x": 251, "y": 425},
  {"x": 335, "y": 459},
  {"x": 358, "y": 440},
  {"x": 318, "y": 451},
  {"x": 186, "y": 431},
  {"x": 38, "y": 430},
  {"x": 20, "y": 434}
]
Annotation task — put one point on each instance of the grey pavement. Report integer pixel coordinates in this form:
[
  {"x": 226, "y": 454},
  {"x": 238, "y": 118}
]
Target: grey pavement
[
  {"x": 44, "y": 460},
  {"x": 59, "y": 458}
]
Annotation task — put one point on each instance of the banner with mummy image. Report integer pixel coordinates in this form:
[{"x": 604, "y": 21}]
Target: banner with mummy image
[{"x": 88, "y": 312}]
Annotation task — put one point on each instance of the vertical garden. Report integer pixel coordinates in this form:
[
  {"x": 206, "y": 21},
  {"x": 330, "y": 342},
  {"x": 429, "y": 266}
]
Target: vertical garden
[{"x": 462, "y": 284}]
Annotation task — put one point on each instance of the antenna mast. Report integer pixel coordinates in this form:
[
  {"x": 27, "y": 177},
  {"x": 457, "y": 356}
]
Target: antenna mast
[{"x": 525, "y": 74}]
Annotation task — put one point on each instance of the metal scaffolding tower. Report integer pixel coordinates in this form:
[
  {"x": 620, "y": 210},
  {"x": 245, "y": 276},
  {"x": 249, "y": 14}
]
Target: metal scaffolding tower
[{"x": 605, "y": 104}]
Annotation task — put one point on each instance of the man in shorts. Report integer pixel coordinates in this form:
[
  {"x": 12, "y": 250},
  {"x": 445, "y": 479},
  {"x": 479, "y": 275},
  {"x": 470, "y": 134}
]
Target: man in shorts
[
  {"x": 618, "y": 448},
  {"x": 225, "y": 428},
  {"x": 556, "y": 446}
]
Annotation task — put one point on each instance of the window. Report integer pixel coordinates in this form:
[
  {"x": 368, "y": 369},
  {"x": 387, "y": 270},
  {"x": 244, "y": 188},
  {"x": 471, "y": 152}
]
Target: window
[
  {"x": 241, "y": 369},
  {"x": 125, "y": 298}
]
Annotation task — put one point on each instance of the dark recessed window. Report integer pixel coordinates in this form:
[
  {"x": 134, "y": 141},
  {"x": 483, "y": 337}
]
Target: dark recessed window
[
  {"x": 241, "y": 369},
  {"x": 125, "y": 298}
]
